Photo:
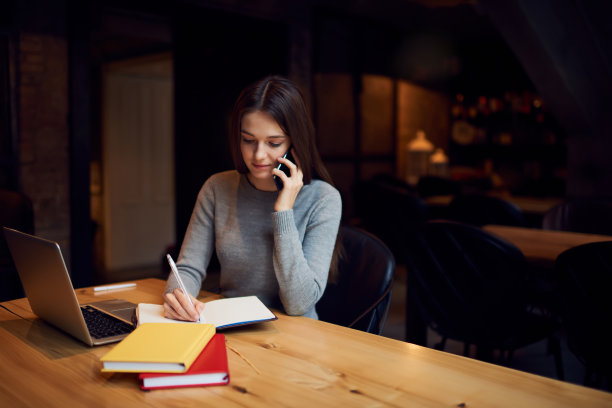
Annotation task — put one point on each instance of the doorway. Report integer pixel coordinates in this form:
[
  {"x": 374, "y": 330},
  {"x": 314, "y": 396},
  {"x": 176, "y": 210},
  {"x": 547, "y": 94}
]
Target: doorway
[{"x": 132, "y": 187}]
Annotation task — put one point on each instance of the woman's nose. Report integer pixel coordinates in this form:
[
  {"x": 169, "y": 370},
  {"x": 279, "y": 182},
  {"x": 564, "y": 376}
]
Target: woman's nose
[{"x": 260, "y": 151}]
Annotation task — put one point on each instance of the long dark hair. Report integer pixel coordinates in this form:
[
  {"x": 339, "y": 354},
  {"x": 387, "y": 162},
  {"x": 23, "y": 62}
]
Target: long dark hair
[{"x": 282, "y": 99}]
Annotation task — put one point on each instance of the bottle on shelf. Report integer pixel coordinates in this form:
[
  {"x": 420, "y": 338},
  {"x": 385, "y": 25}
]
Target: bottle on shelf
[
  {"x": 438, "y": 163},
  {"x": 418, "y": 151},
  {"x": 481, "y": 121}
]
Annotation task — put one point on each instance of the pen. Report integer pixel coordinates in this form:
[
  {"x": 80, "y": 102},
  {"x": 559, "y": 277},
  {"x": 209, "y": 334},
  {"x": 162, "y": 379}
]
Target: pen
[
  {"x": 179, "y": 280},
  {"x": 112, "y": 287}
]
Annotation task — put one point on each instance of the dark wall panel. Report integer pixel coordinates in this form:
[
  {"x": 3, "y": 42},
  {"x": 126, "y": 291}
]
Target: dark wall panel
[{"x": 216, "y": 55}]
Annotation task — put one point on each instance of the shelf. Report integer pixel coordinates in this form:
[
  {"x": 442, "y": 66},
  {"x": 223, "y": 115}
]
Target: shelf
[{"x": 549, "y": 154}]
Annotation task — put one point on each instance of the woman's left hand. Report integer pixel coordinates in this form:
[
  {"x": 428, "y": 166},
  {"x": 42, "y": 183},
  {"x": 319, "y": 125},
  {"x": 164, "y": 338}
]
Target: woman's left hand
[{"x": 291, "y": 184}]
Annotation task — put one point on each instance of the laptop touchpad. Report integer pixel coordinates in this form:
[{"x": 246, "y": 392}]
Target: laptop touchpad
[{"x": 118, "y": 307}]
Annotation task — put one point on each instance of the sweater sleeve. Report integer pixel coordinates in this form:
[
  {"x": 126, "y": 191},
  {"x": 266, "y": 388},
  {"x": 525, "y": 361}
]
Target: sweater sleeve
[
  {"x": 198, "y": 244},
  {"x": 302, "y": 268}
]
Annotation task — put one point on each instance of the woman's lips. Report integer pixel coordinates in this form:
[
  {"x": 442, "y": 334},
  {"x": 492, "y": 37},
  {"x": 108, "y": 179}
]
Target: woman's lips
[{"x": 261, "y": 166}]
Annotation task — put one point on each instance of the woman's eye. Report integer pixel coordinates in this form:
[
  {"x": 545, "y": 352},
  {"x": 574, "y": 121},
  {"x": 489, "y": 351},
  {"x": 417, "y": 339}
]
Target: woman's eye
[
  {"x": 247, "y": 141},
  {"x": 275, "y": 144}
]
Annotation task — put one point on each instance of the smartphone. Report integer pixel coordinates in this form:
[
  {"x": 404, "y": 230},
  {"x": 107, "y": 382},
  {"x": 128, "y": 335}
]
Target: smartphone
[{"x": 281, "y": 166}]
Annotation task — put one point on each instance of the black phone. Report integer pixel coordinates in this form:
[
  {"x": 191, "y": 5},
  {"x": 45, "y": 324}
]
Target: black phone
[{"x": 283, "y": 167}]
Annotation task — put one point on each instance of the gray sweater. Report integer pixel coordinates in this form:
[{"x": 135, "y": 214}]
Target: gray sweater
[{"x": 281, "y": 255}]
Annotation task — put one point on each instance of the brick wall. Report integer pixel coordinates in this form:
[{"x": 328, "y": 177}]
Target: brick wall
[{"x": 42, "y": 75}]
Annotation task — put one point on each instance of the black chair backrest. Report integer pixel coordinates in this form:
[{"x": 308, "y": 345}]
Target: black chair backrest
[
  {"x": 429, "y": 186},
  {"x": 467, "y": 283},
  {"x": 584, "y": 276},
  {"x": 589, "y": 215},
  {"x": 361, "y": 295},
  {"x": 16, "y": 211},
  {"x": 390, "y": 210},
  {"x": 480, "y": 209}
]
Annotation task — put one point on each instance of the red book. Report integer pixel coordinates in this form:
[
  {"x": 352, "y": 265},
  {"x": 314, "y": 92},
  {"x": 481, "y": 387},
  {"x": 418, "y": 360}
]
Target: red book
[{"x": 210, "y": 368}]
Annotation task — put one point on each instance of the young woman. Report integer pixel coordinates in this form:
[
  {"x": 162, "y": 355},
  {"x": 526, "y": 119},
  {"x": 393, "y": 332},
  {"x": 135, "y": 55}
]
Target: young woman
[{"x": 276, "y": 244}]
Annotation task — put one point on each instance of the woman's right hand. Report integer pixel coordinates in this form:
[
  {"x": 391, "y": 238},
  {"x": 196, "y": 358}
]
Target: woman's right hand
[
  {"x": 177, "y": 306},
  {"x": 291, "y": 184}
]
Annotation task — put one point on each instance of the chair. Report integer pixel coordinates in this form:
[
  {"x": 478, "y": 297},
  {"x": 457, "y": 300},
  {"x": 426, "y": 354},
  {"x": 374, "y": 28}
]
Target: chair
[
  {"x": 361, "y": 294},
  {"x": 480, "y": 209},
  {"x": 584, "y": 276},
  {"x": 390, "y": 210},
  {"x": 588, "y": 215},
  {"x": 16, "y": 211},
  {"x": 429, "y": 186},
  {"x": 471, "y": 286}
]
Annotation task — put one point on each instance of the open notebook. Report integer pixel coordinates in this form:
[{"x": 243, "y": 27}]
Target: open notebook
[{"x": 223, "y": 313}]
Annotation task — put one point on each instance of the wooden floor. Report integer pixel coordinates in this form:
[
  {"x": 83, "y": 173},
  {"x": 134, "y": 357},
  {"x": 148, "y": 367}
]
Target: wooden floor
[{"x": 533, "y": 359}]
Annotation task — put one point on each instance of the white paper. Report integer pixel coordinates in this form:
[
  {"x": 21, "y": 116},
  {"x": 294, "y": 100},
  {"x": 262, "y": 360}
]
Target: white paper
[{"x": 221, "y": 313}]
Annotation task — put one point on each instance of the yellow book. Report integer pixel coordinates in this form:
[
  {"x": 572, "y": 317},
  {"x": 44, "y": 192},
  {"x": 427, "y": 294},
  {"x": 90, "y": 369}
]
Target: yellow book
[{"x": 159, "y": 348}]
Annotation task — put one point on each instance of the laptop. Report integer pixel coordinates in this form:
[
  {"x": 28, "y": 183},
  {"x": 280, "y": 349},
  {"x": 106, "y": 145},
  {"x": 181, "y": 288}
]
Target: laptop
[{"x": 49, "y": 290}]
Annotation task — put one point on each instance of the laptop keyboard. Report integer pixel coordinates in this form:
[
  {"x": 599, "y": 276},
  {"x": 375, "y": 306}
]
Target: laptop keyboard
[{"x": 103, "y": 325}]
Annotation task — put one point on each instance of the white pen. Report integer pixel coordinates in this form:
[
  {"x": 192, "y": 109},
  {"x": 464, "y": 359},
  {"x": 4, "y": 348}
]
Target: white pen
[
  {"x": 179, "y": 280},
  {"x": 112, "y": 287}
]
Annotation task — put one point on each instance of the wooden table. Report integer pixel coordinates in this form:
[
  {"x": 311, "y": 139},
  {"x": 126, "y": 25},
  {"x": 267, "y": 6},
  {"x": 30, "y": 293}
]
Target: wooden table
[
  {"x": 528, "y": 205},
  {"x": 293, "y": 361},
  {"x": 541, "y": 247}
]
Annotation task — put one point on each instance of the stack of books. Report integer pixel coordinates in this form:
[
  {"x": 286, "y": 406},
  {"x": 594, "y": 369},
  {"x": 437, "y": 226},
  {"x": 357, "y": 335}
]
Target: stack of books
[{"x": 167, "y": 353}]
